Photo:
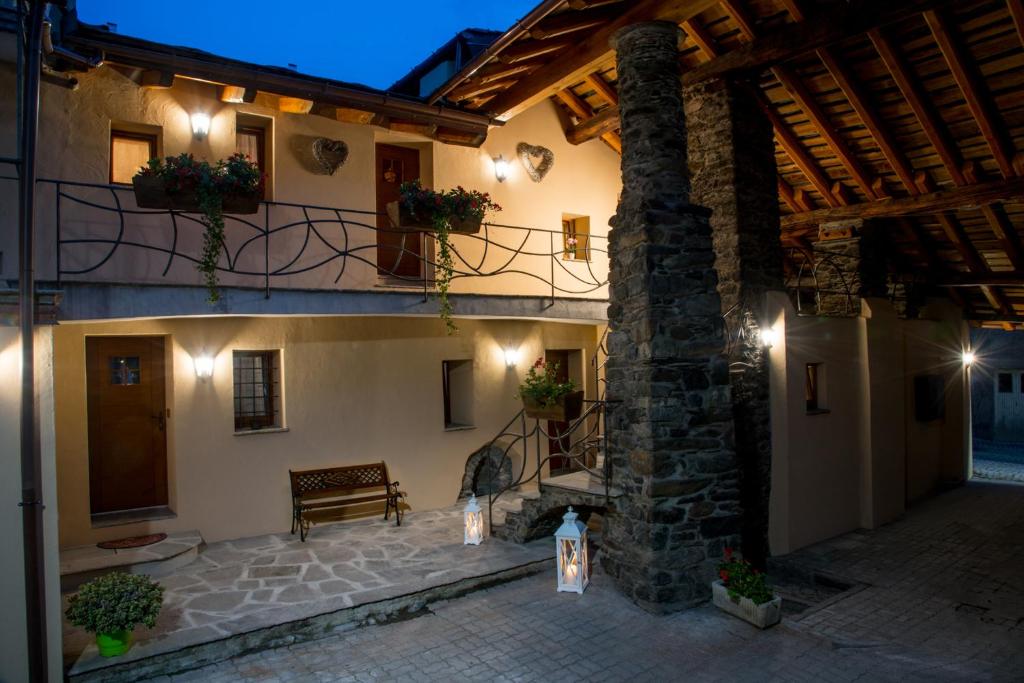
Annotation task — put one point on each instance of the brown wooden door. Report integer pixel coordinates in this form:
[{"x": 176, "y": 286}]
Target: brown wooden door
[
  {"x": 398, "y": 254},
  {"x": 127, "y": 423},
  {"x": 559, "y": 465}
]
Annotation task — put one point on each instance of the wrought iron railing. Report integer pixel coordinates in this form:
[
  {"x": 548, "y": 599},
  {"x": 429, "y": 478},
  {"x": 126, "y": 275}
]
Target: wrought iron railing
[
  {"x": 584, "y": 443},
  {"x": 100, "y": 235},
  {"x": 804, "y": 281}
]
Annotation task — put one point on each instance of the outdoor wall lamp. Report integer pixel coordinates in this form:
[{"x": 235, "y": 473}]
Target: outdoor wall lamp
[
  {"x": 200, "y": 124},
  {"x": 968, "y": 358},
  {"x": 500, "y": 168},
  {"x": 769, "y": 337},
  {"x": 203, "y": 366},
  {"x": 511, "y": 357}
]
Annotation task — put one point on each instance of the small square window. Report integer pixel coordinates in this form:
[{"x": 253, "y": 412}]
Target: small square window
[
  {"x": 575, "y": 238},
  {"x": 457, "y": 390},
  {"x": 124, "y": 370},
  {"x": 128, "y": 153},
  {"x": 1005, "y": 383},
  {"x": 814, "y": 387},
  {"x": 252, "y": 135},
  {"x": 257, "y": 381}
]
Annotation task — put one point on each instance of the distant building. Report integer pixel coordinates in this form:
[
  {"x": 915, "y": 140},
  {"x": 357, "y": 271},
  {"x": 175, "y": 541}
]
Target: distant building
[{"x": 997, "y": 385}]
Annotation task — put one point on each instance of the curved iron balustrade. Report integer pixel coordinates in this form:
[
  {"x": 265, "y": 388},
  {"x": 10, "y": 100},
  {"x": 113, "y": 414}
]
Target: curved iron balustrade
[
  {"x": 582, "y": 439},
  {"x": 340, "y": 235}
]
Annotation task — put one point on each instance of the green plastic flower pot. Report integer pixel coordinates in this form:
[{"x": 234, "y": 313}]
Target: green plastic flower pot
[{"x": 114, "y": 644}]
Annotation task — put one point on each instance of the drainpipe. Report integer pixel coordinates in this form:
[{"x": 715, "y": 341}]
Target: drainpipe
[{"x": 31, "y": 466}]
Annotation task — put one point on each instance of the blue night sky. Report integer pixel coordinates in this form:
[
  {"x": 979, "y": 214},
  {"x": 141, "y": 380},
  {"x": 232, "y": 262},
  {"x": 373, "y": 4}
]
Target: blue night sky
[{"x": 373, "y": 43}]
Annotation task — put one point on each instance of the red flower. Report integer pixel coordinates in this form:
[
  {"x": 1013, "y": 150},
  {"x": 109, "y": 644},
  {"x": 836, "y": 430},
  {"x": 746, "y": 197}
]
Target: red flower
[
  {"x": 724, "y": 575},
  {"x": 728, "y": 553}
]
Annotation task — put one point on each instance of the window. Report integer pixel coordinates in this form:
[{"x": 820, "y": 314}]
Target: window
[
  {"x": 257, "y": 377},
  {"x": 1005, "y": 383},
  {"x": 457, "y": 388},
  {"x": 251, "y": 136},
  {"x": 129, "y": 152},
  {"x": 814, "y": 388},
  {"x": 929, "y": 398},
  {"x": 575, "y": 238}
]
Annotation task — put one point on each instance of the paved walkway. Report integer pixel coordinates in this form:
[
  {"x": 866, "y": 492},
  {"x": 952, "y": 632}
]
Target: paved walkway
[
  {"x": 939, "y": 598},
  {"x": 999, "y": 461}
]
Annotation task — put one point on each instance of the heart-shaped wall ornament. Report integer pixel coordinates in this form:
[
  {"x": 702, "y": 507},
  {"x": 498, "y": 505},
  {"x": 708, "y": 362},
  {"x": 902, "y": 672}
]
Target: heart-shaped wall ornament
[
  {"x": 330, "y": 154},
  {"x": 527, "y": 155}
]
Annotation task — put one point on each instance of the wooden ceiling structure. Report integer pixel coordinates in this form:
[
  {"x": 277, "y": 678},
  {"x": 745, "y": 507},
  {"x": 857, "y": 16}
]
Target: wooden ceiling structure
[{"x": 910, "y": 112}]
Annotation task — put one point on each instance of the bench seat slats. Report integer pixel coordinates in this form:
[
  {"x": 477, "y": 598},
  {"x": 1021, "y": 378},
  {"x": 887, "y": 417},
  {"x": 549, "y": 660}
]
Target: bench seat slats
[{"x": 321, "y": 494}]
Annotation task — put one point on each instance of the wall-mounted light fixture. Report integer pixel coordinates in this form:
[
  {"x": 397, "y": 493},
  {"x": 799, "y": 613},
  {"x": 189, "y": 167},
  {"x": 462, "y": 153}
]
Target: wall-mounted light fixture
[
  {"x": 769, "y": 337},
  {"x": 968, "y": 358},
  {"x": 511, "y": 357},
  {"x": 203, "y": 366},
  {"x": 200, "y": 124},
  {"x": 500, "y": 168}
]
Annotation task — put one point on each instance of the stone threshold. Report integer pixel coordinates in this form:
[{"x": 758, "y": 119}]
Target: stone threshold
[
  {"x": 127, "y": 669},
  {"x": 82, "y": 563}
]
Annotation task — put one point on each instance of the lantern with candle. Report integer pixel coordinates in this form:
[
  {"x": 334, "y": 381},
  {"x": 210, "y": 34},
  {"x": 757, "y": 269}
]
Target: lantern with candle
[
  {"x": 571, "y": 549},
  {"x": 473, "y": 522}
]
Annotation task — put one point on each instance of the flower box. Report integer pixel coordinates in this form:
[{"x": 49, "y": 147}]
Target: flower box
[
  {"x": 150, "y": 193},
  {"x": 403, "y": 220},
  {"x": 762, "y": 616},
  {"x": 567, "y": 409}
]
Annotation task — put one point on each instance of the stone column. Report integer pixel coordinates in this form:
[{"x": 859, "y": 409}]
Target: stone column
[
  {"x": 733, "y": 173},
  {"x": 671, "y": 435},
  {"x": 849, "y": 264}
]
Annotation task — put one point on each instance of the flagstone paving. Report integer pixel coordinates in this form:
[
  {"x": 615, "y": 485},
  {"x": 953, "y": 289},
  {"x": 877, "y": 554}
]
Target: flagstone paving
[
  {"x": 241, "y": 586},
  {"x": 937, "y": 598}
]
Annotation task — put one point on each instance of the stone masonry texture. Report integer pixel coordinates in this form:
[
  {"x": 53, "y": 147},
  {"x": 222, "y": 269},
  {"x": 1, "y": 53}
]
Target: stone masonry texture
[
  {"x": 671, "y": 437},
  {"x": 846, "y": 270},
  {"x": 731, "y": 153}
]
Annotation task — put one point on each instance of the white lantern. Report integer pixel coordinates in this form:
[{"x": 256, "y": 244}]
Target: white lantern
[
  {"x": 571, "y": 549},
  {"x": 473, "y": 522}
]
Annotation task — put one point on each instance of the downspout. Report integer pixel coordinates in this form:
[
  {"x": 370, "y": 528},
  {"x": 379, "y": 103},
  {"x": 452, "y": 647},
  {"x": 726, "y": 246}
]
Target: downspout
[{"x": 31, "y": 465}]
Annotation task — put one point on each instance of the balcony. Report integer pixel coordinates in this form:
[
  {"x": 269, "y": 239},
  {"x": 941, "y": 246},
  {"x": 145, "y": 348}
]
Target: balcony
[{"x": 295, "y": 258}]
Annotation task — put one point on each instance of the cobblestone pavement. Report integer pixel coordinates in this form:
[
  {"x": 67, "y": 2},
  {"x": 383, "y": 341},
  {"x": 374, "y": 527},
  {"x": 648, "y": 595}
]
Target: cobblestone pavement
[
  {"x": 938, "y": 599},
  {"x": 994, "y": 469}
]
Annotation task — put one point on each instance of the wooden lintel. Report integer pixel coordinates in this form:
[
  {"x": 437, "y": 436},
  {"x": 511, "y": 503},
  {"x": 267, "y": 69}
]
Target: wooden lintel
[
  {"x": 944, "y": 200},
  {"x": 349, "y": 115},
  {"x": 294, "y": 105},
  {"x": 237, "y": 94},
  {"x": 156, "y": 80},
  {"x": 427, "y": 130},
  {"x": 839, "y": 21},
  {"x": 594, "y": 127}
]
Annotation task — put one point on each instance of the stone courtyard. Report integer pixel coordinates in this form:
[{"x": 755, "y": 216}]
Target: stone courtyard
[{"x": 935, "y": 596}]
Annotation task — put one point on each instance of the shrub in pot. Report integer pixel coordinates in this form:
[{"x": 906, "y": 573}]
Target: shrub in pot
[
  {"x": 743, "y": 591},
  {"x": 112, "y": 605},
  {"x": 546, "y": 398}
]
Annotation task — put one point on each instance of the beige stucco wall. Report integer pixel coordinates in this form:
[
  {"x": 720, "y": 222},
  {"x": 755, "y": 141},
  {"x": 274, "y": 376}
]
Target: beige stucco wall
[
  {"x": 13, "y": 664},
  {"x": 861, "y": 463},
  {"x": 355, "y": 390},
  {"x": 74, "y": 145}
]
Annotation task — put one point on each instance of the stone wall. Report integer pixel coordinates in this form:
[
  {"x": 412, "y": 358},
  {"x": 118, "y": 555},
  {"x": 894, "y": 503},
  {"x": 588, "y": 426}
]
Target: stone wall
[{"x": 671, "y": 437}]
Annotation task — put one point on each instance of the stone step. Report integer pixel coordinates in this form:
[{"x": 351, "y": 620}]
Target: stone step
[{"x": 83, "y": 563}]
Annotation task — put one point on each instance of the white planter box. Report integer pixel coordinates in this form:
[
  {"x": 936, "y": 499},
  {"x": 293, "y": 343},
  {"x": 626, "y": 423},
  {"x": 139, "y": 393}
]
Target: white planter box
[{"x": 761, "y": 616}]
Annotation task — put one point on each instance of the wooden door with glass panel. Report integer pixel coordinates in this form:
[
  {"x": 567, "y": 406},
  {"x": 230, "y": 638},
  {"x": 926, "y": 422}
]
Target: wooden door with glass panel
[
  {"x": 127, "y": 423},
  {"x": 559, "y": 440},
  {"x": 398, "y": 253}
]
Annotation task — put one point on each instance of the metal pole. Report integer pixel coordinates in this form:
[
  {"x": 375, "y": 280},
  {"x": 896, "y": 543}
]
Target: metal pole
[{"x": 31, "y": 466}]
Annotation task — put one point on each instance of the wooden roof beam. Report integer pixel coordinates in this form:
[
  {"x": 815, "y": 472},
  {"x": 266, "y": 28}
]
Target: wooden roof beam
[
  {"x": 791, "y": 145},
  {"x": 583, "y": 111},
  {"x": 571, "y": 22},
  {"x": 595, "y": 48},
  {"x": 700, "y": 36},
  {"x": 972, "y": 85},
  {"x": 928, "y": 119},
  {"x": 1005, "y": 233},
  {"x": 1017, "y": 14},
  {"x": 869, "y": 117},
  {"x": 956, "y": 234},
  {"x": 943, "y": 200},
  {"x": 827, "y": 26},
  {"x": 602, "y": 87},
  {"x": 531, "y": 49}
]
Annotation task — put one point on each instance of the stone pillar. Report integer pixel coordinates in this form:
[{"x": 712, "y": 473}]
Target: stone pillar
[
  {"x": 671, "y": 435},
  {"x": 733, "y": 173},
  {"x": 849, "y": 264}
]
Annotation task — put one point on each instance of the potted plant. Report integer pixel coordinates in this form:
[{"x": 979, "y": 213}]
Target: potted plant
[
  {"x": 743, "y": 592},
  {"x": 546, "y": 398},
  {"x": 232, "y": 185},
  {"x": 112, "y": 605},
  {"x": 458, "y": 210}
]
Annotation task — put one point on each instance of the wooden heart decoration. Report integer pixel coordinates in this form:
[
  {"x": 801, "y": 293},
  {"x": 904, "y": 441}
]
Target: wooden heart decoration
[
  {"x": 330, "y": 154},
  {"x": 527, "y": 154}
]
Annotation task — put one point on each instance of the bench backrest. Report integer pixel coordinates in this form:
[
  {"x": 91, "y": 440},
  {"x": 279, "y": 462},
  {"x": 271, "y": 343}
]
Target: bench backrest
[{"x": 338, "y": 480}]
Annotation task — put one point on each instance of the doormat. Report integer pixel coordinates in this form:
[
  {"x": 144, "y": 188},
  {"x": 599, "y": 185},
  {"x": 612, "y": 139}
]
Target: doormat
[{"x": 133, "y": 542}]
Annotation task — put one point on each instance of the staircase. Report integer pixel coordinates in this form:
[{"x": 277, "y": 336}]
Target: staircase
[{"x": 534, "y": 514}]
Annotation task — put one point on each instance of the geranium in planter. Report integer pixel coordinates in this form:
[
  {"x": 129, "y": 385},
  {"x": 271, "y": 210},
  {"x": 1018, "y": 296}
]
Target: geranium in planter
[
  {"x": 112, "y": 605},
  {"x": 232, "y": 185},
  {"x": 743, "y": 592},
  {"x": 546, "y": 398},
  {"x": 458, "y": 210}
]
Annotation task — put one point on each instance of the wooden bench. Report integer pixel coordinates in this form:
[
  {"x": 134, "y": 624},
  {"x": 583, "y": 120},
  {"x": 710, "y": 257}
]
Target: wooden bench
[{"x": 321, "y": 495}]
